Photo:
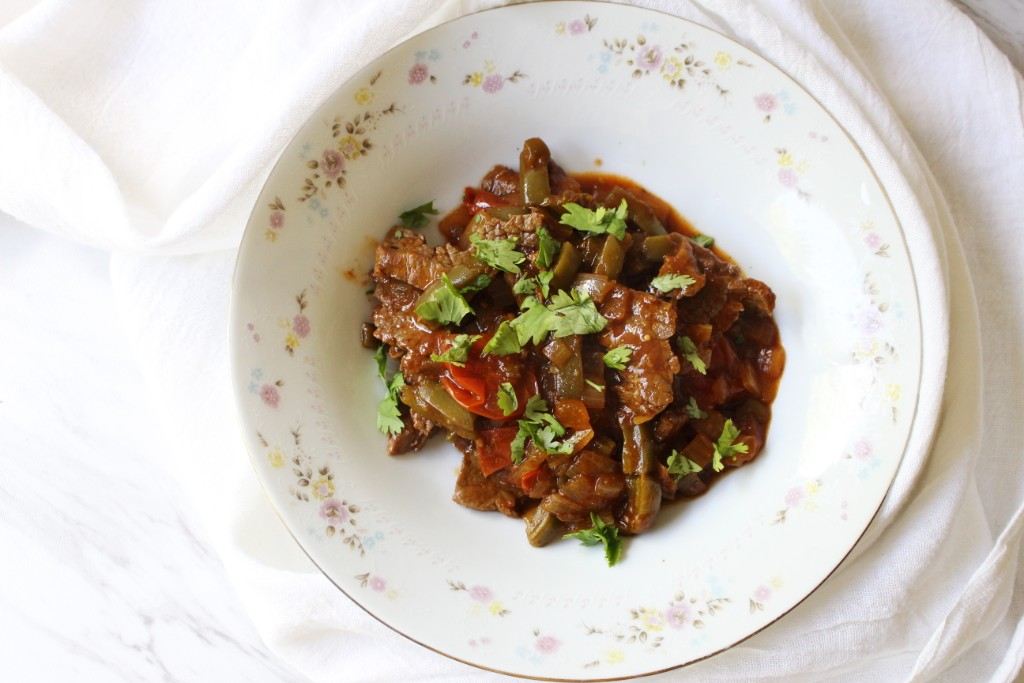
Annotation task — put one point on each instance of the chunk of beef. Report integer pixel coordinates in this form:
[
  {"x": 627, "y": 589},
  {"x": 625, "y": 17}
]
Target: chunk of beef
[
  {"x": 475, "y": 491},
  {"x": 411, "y": 260},
  {"x": 644, "y": 323},
  {"x": 501, "y": 180},
  {"x": 523, "y": 227}
]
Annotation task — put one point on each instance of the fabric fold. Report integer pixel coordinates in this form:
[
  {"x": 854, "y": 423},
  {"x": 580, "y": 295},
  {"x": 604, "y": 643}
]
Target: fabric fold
[{"x": 164, "y": 175}]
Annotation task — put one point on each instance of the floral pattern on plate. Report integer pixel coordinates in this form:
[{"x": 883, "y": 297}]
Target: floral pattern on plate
[{"x": 745, "y": 154}]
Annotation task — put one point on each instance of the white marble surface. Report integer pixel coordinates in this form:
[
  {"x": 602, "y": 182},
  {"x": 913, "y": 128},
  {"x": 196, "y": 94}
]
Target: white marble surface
[{"x": 106, "y": 576}]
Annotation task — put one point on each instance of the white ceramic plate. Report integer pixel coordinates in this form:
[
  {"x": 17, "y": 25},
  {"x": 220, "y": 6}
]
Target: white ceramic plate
[{"x": 744, "y": 154}]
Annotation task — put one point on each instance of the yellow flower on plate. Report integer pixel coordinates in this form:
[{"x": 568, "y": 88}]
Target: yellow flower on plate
[
  {"x": 892, "y": 392},
  {"x": 615, "y": 657},
  {"x": 723, "y": 59},
  {"x": 276, "y": 457},
  {"x": 291, "y": 341},
  {"x": 560, "y": 28},
  {"x": 785, "y": 159},
  {"x": 671, "y": 68},
  {"x": 271, "y": 235},
  {"x": 652, "y": 620},
  {"x": 489, "y": 66},
  {"x": 349, "y": 146},
  {"x": 802, "y": 166},
  {"x": 495, "y": 608},
  {"x": 364, "y": 96},
  {"x": 322, "y": 488},
  {"x": 476, "y": 79}
]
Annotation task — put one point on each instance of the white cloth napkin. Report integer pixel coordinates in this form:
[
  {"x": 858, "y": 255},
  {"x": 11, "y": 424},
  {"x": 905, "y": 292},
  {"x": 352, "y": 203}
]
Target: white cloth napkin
[{"x": 147, "y": 128}]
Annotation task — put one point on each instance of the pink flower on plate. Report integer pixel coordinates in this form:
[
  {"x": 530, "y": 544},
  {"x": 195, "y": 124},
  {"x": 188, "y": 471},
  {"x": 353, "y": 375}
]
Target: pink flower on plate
[
  {"x": 762, "y": 593},
  {"x": 481, "y": 593},
  {"x": 300, "y": 325},
  {"x": 766, "y": 102},
  {"x": 378, "y": 584},
  {"x": 649, "y": 58},
  {"x": 270, "y": 395},
  {"x": 493, "y": 83},
  {"x": 418, "y": 73},
  {"x": 276, "y": 220},
  {"x": 873, "y": 240},
  {"x": 862, "y": 450},
  {"x": 547, "y": 644},
  {"x": 334, "y": 512},
  {"x": 795, "y": 496},
  {"x": 788, "y": 177},
  {"x": 333, "y": 164},
  {"x": 577, "y": 27},
  {"x": 869, "y": 322},
  {"x": 679, "y": 614}
]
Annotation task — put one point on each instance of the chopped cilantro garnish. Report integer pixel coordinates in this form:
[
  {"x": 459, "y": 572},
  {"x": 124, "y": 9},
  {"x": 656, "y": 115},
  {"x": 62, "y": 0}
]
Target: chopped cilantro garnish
[
  {"x": 706, "y": 241},
  {"x": 479, "y": 283},
  {"x": 617, "y": 358},
  {"x": 542, "y": 428},
  {"x": 507, "y": 399},
  {"x": 576, "y": 314},
  {"x": 601, "y": 532},
  {"x": 500, "y": 254},
  {"x": 596, "y": 222},
  {"x": 389, "y": 418},
  {"x": 547, "y": 248},
  {"x": 680, "y": 465},
  {"x": 529, "y": 285},
  {"x": 417, "y": 218},
  {"x": 446, "y": 304},
  {"x": 505, "y": 341},
  {"x": 458, "y": 352},
  {"x": 689, "y": 350},
  {"x": 694, "y": 411},
  {"x": 568, "y": 313},
  {"x": 534, "y": 323},
  {"x": 670, "y": 281},
  {"x": 726, "y": 446}
]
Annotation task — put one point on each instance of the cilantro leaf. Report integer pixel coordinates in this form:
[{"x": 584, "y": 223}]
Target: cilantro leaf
[
  {"x": 500, "y": 254},
  {"x": 504, "y": 342},
  {"x": 617, "y": 358},
  {"x": 694, "y": 411},
  {"x": 706, "y": 241},
  {"x": 670, "y": 281},
  {"x": 458, "y": 352},
  {"x": 596, "y": 386},
  {"x": 680, "y": 465},
  {"x": 601, "y": 533},
  {"x": 380, "y": 355},
  {"x": 534, "y": 323},
  {"x": 541, "y": 427},
  {"x": 507, "y": 399},
  {"x": 445, "y": 304},
  {"x": 598, "y": 221},
  {"x": 529, "y": 285},
  {"x": 689, "y": 350},
  {"x": 417, "y": 217},
  {"x": 480, "y": 282},
  {"x": 518, "y": 445},
  {"x": 726, "y": 446},
  {"x": 389, "y": 418},
  {"x": 547, "y": 248},
  {"x": 577, "y": 314},
  {"x": 547, "y": 439}
]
